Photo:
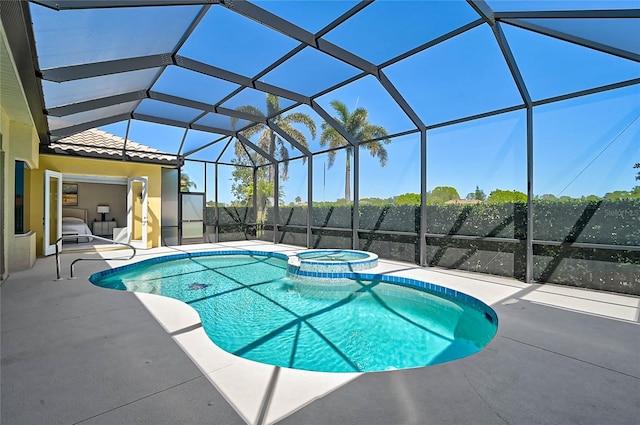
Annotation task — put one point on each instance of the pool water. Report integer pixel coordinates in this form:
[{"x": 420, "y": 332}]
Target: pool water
[
  {"x": 249, "y": 307},
  {"x": 328, "y": 255}
]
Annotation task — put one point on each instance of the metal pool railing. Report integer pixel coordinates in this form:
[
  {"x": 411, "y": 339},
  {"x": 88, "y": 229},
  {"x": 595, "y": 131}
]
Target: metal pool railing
[{"x": 60, "y": 239}]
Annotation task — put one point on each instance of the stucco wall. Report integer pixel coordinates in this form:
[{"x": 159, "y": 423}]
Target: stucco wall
[
  {"x": 22, "y": 255},
  {"x": 23, "y": 146},
  {"x": 19, "y": 141}
]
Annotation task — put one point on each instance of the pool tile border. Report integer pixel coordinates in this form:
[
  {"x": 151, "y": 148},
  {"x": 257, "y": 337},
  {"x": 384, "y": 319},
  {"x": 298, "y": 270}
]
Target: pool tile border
[
  {"x": 309, "y": 264},
  {"x": 473, "y": 302}
]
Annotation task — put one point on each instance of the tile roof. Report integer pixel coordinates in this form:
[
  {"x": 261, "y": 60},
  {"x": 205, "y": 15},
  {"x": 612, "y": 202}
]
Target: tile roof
[{"x": 100, "y": 144}]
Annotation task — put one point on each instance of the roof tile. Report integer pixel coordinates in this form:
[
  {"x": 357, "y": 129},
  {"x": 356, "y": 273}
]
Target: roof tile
[{"x": 100, "y": 143}]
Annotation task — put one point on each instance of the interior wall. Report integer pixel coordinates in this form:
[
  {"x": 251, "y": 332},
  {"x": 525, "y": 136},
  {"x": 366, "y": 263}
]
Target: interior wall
[{"x": 90, "y": 195}]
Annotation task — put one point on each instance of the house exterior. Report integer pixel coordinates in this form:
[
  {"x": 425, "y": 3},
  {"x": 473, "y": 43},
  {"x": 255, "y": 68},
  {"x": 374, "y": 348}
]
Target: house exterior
[{"x": 92, "y": 159}]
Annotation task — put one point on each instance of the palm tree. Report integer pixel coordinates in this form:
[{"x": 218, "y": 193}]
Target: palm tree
[
  {"x": 357, "y": 125},
  {"x": 269, "y": 140},
  {"x": 185, "y": 183}
]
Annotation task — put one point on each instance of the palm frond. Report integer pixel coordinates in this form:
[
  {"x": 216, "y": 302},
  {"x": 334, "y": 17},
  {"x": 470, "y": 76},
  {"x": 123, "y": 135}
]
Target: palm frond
[
  {"x": 331, "y": 137},
  {"x": 253, "y": 130},
  {"x": 377, "y": 150},
  {"x": 297, "y": 135},
  {"x": 241, "y": 154},
  {"x": 251, "y": 110},
  {"x": 332, "y": 158},
  {"x": 273, "y": 104},
  {"x": 300, "y": 118},
  {"x": 342, "y": 111},
  {"x": 370, "y": 131}
]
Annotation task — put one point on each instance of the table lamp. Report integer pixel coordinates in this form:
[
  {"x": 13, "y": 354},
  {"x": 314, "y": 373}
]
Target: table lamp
[{"x": 103, "y": 209}]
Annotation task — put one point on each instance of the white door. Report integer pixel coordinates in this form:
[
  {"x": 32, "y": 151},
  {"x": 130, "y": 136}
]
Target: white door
[
  {"x": 52, "y": 211},
  {"x": 137, "y": 211}
]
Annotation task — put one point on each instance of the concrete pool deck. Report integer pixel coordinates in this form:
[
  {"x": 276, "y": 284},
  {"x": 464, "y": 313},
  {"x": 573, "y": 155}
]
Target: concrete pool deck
[{"x": 73, "y": 353}]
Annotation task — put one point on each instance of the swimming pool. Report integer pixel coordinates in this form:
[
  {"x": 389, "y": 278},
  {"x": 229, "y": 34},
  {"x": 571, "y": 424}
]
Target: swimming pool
[{"x": 364, "y": 323}]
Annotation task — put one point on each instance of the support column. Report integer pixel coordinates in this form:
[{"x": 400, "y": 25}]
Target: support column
[
  {"x": 179, "y": 206},
  {"x": 216, "y": 236},
  {"x": 204, "y": 207},
  {"x": 529, "y": 260},
  {"x": 276, "y": 196},
  {"x": 255, "y": 198},
  {"x": 309, "y": 200},
  {"x": 423, "y": 198},
  {"x": 356, "y": 197}
]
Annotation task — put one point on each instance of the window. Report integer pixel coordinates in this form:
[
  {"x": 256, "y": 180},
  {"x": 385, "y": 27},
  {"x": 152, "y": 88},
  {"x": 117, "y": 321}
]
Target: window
[{"x": 22, "y": 180}]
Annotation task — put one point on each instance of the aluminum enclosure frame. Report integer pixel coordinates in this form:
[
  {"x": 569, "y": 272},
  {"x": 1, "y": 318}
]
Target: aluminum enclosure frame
[{"x": 17, "y": 22}]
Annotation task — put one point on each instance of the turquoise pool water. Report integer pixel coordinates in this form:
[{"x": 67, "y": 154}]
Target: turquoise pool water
[
  {"x": 250, "y": 308},
  {"x": 331, "y": 255}
]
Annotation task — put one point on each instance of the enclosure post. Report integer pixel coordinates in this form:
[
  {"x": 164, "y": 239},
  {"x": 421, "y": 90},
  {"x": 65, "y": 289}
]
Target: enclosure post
[
  {"x": 255, "y": 198},
  {"x": 355, "y": 221},
  {"x": 204, "y": 206},
  {"x": 423, "y": 198},
  {"x": 179, "y": 205},
  {"x": 529, "y": 260},
  {"x": 216, "y": 235},
  {"x": 276, "y": 196},
  {"x": 309, "y": 200}
]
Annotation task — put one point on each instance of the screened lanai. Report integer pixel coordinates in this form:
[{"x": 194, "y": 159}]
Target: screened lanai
[{"x": 500, "y": 137}]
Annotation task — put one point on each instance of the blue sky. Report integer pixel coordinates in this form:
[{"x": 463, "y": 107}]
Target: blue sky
[{"x": 583, "y": 146}]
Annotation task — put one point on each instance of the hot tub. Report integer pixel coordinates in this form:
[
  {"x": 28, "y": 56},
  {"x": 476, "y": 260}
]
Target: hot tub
[{"x": 328, "y": 262}]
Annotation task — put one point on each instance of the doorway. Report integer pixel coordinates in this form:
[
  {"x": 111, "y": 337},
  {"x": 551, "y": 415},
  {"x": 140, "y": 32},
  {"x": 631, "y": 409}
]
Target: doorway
[{"x": 125, "y": 215}]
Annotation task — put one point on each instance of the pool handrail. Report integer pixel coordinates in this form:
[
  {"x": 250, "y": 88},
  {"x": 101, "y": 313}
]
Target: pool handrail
[{"x": 61, "y": 238}]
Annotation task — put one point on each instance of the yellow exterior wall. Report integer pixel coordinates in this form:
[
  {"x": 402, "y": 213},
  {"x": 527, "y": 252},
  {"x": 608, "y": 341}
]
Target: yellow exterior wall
[
  {"x": 18, "y": 141},
  {"x": 97, "y": 167}
]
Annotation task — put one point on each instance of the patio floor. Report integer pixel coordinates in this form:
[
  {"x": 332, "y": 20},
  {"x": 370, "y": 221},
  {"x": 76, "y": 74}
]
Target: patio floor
[{"x": 73, "y": 353}]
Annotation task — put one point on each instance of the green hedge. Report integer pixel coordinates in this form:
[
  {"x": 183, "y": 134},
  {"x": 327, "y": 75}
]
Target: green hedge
[
  {"x": 486, "y": 220},
  {"x": 610, "y": 222},
  {"x": 614, "y": 222}
]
